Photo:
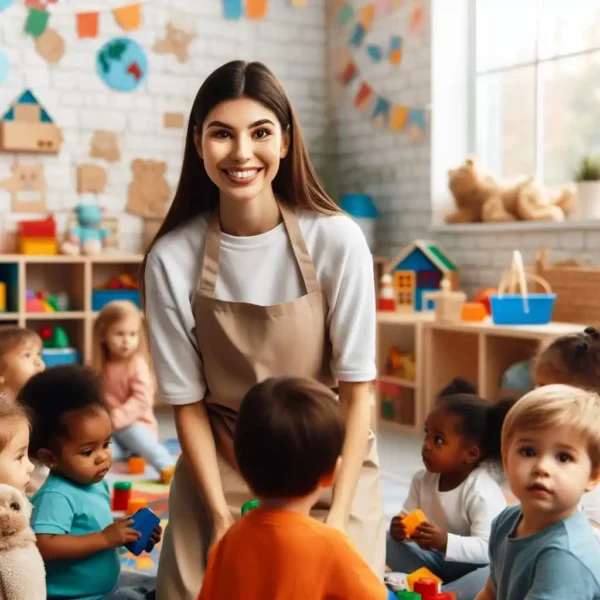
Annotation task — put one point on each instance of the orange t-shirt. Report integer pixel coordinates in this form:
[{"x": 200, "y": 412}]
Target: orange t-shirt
[{"x": 283, "y": 555}]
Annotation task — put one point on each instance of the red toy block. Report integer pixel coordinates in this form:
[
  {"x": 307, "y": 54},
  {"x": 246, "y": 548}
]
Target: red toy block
[{"x": 428, "y": 588}]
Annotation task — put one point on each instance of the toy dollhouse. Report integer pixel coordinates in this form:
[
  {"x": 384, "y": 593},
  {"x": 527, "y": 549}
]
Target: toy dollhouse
[{"x": 419, "y": 269}]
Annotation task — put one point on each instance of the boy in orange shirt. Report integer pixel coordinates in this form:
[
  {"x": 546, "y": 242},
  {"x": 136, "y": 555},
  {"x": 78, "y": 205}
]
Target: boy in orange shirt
[{"x": 288, "y": 443}]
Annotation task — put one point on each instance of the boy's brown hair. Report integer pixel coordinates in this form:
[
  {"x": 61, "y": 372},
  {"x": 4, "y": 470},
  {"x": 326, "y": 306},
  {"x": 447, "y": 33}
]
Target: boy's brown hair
[
  {"x": 289, "y": 435},
  {"x": 557, "y": 405},
  {"x": 12, "y": 336},
  {"x": 573, "y": 359},
  {"x": 9, "y": 412}
]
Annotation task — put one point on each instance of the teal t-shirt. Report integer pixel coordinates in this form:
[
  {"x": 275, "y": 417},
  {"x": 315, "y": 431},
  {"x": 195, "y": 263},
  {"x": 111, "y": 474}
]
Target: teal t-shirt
[
  {"x": 63, "y": 507},
  {"x": 561, "y": 562}
]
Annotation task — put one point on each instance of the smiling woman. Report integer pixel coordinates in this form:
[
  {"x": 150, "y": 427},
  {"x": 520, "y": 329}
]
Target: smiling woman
[{"x": 254, "y": 273}]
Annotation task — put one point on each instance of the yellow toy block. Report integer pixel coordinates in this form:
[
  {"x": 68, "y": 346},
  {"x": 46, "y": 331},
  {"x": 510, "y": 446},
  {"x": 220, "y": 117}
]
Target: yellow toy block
[
  {"x": 422, "y": 573},
  {"x": 413, "y": 520}
]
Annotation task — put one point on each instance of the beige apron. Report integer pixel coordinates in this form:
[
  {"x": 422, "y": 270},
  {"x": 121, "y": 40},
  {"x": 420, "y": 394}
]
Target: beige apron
[{"x": 242, "y": 344}]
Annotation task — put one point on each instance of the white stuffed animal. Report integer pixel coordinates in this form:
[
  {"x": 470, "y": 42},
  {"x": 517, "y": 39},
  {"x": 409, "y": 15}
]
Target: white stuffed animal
[{"x": 22, "y": 573}]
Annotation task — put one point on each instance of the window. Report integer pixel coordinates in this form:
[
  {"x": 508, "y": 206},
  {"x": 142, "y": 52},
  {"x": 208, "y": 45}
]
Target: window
[{"x": 537, "y": 86}]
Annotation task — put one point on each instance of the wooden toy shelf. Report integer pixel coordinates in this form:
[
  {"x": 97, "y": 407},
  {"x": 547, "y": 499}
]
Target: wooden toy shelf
[
  {"x": 443, "y": 350},
  {"x": 75, "y": 275}
]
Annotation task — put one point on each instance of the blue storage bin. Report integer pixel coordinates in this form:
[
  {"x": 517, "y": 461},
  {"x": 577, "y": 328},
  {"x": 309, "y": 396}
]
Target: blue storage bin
[
  {"x": 100, "y": 298},
  {"x": 53, "y": 357},
  {"x": 509, "y": 309}
]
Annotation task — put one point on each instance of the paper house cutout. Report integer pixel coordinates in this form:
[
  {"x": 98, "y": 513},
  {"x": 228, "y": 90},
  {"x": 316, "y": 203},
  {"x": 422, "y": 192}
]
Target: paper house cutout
[
  {"x": 418, "y": 269},
  {"x": 27, "y": 127}
]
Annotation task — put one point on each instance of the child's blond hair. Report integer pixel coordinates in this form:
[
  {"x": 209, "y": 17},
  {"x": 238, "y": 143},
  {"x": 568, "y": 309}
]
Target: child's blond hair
[
  {"x": 553, "y": 406},
  {"x": 9, "y": 412},
  {"x": 573, "y": 359},
  {"x": 109, "y": 315},
  {"x": 12, "y": 336}
]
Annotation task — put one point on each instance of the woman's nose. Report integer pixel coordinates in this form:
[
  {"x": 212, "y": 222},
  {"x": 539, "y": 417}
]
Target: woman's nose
[{"x": 242, "y": 151}]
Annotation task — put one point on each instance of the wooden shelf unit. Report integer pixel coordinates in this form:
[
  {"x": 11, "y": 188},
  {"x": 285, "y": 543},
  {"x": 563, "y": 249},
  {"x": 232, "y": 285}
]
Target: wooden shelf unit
[
  {"x": 443, "y": 350},
  {"x": 76, "y": 275}
]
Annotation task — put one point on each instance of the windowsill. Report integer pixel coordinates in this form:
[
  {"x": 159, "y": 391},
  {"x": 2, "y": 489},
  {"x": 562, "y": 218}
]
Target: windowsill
[{"x": 518, "y": 226}]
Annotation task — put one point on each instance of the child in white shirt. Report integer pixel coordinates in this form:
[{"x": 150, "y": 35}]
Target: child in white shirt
[{"x": 458, "y": 496}]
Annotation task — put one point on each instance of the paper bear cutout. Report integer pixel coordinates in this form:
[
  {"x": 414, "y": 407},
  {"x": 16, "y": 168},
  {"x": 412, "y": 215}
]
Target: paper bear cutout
[
  {"x": 176, "y": 41},
  {"x": 27, "y": 186},
  {"x": 148, "y": 192}
]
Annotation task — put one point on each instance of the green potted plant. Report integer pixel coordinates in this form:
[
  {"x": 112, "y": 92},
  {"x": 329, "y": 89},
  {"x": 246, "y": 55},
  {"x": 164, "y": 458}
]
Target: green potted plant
[{"x": 587, "y": 178}]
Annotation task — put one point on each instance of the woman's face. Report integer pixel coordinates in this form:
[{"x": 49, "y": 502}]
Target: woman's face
[{"x": 242, "y": 144}]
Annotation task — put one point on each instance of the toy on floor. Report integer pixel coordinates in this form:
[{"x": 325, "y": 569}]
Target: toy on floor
[
  {"x": 401, "y": 364},
  {"x": 396, "y": 581},
  {"x": 412, "y": 521},
  {"x": 121, "y": 495},
  {"x": 423, "y": 573},
  {"x": 22, "y": 574},
  {"x": 136, "y": 465},
  {"x": 136, "y": 504},
  {"x": 408, "y": 595},
  {"x": 144, "y": 521}
]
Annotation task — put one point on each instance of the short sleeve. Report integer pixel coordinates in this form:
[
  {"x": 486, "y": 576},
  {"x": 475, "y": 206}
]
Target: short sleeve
[
  {"x": 175, "y": 355},
  {"x": 352, "y": 311},
  {"x": 559, "y": 575},
  {"x": 53, "y": 514}
]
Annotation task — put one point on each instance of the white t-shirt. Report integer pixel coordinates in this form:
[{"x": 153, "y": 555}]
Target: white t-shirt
[
  {"x": 260, "y": 270},
  {"x": 465, "y": 512}
]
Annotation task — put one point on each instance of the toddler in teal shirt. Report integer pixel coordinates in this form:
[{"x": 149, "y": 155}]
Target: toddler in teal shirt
[{"x": 72, "y": 519}]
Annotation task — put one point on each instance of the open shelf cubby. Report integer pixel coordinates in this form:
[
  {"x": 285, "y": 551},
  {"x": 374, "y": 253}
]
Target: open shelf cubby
[{"x": 75, "y": 276}]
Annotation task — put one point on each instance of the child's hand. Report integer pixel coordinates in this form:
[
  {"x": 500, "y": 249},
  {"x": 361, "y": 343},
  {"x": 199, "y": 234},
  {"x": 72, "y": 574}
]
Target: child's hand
[
  {"x": 430, "y": 537},
  {"x": 397, "y": 529},
  {"x": 154, "y": 538},
  {"x": 121, "y": 533}
]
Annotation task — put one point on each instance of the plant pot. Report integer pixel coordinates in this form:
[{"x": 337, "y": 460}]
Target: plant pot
[{"x": 587, "y": 205}]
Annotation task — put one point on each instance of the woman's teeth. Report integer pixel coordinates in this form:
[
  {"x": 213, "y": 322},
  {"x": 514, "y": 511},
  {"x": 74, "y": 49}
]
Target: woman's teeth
[{"x": 242, "y": 174}]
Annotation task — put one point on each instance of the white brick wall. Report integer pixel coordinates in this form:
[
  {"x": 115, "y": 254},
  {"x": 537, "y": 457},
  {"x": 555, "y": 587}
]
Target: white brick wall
[{"x": 80, "y": 102}]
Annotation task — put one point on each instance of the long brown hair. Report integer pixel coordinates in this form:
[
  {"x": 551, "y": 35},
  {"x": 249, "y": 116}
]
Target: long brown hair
[{"x": 296, "y": 181}]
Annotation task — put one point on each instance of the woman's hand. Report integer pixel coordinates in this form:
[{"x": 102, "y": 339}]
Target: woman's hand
[{"x": 221, "y": 525}]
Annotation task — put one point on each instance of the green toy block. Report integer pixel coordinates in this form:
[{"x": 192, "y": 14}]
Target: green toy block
[
  {"x": 387, "y": 409},
  {"x": 406, "y": 595},
  {"x": 60, "y": 339}
]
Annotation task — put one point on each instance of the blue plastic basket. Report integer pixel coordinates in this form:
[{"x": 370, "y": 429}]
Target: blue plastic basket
[
  {"x": 53, "y": 357},
  {"x": 509, "y": 309},
  {"x": 100, "y": 298}
]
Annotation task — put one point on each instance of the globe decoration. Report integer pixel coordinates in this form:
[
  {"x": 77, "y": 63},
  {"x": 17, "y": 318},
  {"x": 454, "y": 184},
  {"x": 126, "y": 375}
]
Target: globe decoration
[{"x": 122, "y": 64}]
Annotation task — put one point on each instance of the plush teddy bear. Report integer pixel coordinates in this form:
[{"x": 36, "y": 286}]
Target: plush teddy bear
[
  {"x": 479, "y": 198},
  {"x": 88, "y": 237},
  {"x": 22, "y": 573}
]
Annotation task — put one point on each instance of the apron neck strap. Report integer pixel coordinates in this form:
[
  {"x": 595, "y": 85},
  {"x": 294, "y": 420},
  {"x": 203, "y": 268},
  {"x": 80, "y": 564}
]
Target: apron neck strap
[{"x": 212, "y": 246}]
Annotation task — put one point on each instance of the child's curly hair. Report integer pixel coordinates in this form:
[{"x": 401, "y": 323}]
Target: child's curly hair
[{"x": 573, "y": 359}]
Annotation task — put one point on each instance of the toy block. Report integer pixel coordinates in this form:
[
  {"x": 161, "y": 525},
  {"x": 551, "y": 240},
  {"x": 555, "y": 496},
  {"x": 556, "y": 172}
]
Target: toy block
[
  {"x": 136, "y": 465},
  {"x": 408, "y": 595},
  {"x": 445, "y": 596},
  {"x": 428, "y": 588},
  {"x": 413, "y": 520},
  {"x": 144, "y": 521},
  {"x": 422, "y": 573},
  {"x": 136, "y": 504}
]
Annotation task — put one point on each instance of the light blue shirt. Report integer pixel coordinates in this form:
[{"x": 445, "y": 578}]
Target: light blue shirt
[
  {"x": 561, "y": 562},
  {"x": 63, "y": 507}
]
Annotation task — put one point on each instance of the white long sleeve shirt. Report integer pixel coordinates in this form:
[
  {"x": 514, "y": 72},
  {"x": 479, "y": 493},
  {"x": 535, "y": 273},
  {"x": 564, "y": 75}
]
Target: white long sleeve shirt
[{"x": 465, "y": 512}]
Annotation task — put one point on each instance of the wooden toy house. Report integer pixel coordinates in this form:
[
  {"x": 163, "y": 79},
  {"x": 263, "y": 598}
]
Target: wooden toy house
[
  {"x": 27, "y": 127},
  {"x": 419, "y": 269}
]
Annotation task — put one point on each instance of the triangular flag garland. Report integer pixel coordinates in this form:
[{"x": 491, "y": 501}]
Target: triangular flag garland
[{"x": 128, "y": 16}]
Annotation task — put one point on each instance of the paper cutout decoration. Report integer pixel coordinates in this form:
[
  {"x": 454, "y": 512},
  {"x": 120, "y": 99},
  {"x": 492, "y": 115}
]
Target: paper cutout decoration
[
  {"x": 299, "y": 3},
  {"x": 399, "y": 118},
  {"x": 36, "y": 23},
  {"x": 348, "y": 73},
  {"x": 375, "y": 52},
  {"x": 382, "y": 8},
  {"x": 148, "y": 192},
  {"x": 50, "y": 46},
  {"x": 105, "y": 144},
  {"x": 233, "y": 9},
  {"x": 363, "y": 96},
  {"x": 367, "y": 14},
  {"x": 358, "y": 36},
  {"x": 346, "y": 13},
  {"x": 176, "y": 41},
  {"x": 381, "y": 111},
  {"x": 256, "y": 9},
  {"x": 27, "y": 127},
  {"x": 396, "y": 50},
  {"x": 39, "y": 4},
  {"x": 417, "y": 19},
  {"x": 173, "y": 121},
  {"x": 416, "y": 124},
  {"x": 4, "y": 66},
  {"x": 91, "y": 179},
  {"x": 122, "y": 64},
  {"x": 27, "y": 186},
  {"x": 87, "y": 24},
  {"x": 128, "y": 17},
  {"x": 4, "y": 4}
]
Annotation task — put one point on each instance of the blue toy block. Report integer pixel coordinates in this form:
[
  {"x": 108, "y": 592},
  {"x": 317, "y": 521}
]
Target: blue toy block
[{"x": 144, "y": 521}]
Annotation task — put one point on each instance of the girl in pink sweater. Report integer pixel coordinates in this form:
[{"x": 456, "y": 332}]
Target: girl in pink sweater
[{"x": 121, "y": 357}]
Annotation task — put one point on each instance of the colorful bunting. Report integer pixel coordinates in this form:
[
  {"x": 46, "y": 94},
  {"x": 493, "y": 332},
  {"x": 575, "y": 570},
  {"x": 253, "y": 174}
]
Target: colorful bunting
[
  {"x": 396, "y": 50},
  {"x": 128, "y": 17},
  {"x": 417, "y": 19},
  {"x": 367, "y": 14},
  {"x": 381, "y": 112},
  {"x": 363, "y": 96},
  {"x": 348, "y": 73},
  {"x": 398, "y": 118},
  {"x": 375, "y": 52},
  {"x": 36, "y": 23},
  {"x": 299, "y": 3},
  {"x": 358, "y": 36},
  {"x": 382, "y": 8},
  {"x": 4, "y": 4},
  {"x": 346, "y": 13},
  {"x": 87, "y": 24},
  {"x": 39, "y": 4},
  {"x": 233, "y": 9},
  {"x": 256, "y": 9}
]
